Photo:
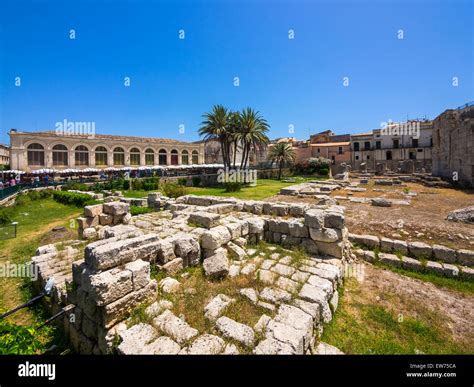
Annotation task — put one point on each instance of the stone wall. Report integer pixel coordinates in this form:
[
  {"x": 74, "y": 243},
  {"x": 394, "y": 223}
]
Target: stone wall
[
  {"x": 453, "y": 145},
  {"x": 114, "y": 276}
]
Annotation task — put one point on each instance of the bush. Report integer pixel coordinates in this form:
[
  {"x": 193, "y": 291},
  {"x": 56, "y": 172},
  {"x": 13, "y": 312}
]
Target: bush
[
  {"x": 135, "y": 210},
  {"x": 126, "y": 185},
  {"x": 74, "y": 185},
  {"x": 196, "y": 181},
  {"x": 172, "y": 190},
  {"x": 146, "y": 184},
  {"x": 312, "y": 166},
  {"x": 18, "y": 340},
  {"x": 182, "y": 181},
  {"x": 232, "y": 187},
  {"x": 73, "y": 198},
  {"x": 5, "y": 216}
]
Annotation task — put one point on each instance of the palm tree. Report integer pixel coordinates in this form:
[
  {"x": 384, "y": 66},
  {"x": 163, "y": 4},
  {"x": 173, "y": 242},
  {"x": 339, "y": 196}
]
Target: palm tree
[
  {"x": 252, "y": 133},
  {"x": 216, "y": 127},
  {"x": 281, "y": 153}
]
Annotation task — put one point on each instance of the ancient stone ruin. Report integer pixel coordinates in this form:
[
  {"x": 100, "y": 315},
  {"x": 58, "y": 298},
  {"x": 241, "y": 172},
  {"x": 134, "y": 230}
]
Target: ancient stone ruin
[{"x": 113, "y": 277}]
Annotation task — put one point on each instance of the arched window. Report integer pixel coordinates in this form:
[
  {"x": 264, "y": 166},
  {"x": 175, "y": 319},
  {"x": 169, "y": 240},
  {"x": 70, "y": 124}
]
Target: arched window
[
  {"x": 134, "y": 156},
  {"x": 149, "y": 157},
  {"x": 59, "y": 155},
  {"x": 162, "y": 158},
  {"x": 82, "y": 155},
  {"x": 100, "y": 155},
  {"x": 119, "y": 156},
  {"x": 195, "y": 157},
  {"x": 185, "y": 157},
  {"x": 35, "y": 154},
  {"x": 174, "y": 157}
]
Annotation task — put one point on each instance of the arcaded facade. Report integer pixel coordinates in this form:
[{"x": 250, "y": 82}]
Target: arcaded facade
[
  {"x": 37, "y": 150},
  {"x": 4, "y": 155}
]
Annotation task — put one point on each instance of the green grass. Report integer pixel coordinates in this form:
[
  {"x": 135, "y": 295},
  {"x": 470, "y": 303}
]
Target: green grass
[
  {"x": 35, "y": 220},
  {"x": 265, "y": 188},
  {"x": 360, "y": 326}
]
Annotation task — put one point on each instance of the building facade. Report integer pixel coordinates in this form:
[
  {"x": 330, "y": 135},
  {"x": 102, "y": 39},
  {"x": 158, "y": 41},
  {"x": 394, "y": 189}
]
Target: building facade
[
  {"x": 4, "y": 155},
  {"x": 410, "y": 143},
  {"x": 453, "y": 145},
  {"x": 36, "y": 150}
]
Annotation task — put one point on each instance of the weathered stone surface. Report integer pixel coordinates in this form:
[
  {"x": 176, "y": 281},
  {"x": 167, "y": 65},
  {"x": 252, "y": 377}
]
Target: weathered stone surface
[
  {"x": 287, "y": 284},
  {"x": 419, "y": 249},
  {"x": 215, "y": 237},
  {"x": 465, "y": 257},
  {"x": 204, "y": 219},
  {"x": 188, "y": 248},
  {"x": 465, "y": 215},
  {"x": 411, "y": 264},
  {"x": 381, "y": 202},
  {"x": 169, "y": 285},
  {"x": 400, "y": 246},
  {"x": 275, "y": 296},
  {"x": 105, "y": 256},
  {"x": 321, "y": 283},
  {"x": 369, "y": 256},
  {"x": 117, "y": 310},
  {"x": 327, "y": 235},
  {"x": 162, "y": 346},
  {"x": 216, "y": 266},
  {"x": 286, "y": 334},
  {"x": 235, "y": 251},
  {"x": 231, "y": 349},
  {"x": 467, "y": 273},
  {"x": 175, "y": 327},
  {"x": 256, "y": 225},
  {"x": 217, "y": 306},
  {"x": 334, "y": 220},
  {"x": 108, "y": 286},
  {"x": 313, "y": 309},
  {"x": 298, "y": 229},
  {"x": 89, "y": 233},
  {"x": 248, "y": 269},
  {"x": 435, "y": 267},
  {"x": 105, "y": 219},
  {"x": 271, "y": 346},
  {"x": 173, "y": 267},
  {"x": 262, "y": 323},
  {"x": 250, "y": 294},
  {"x": 236, "y": 331},
  {"x": 444, "y": 254},
  {"x": 140, "y": 273},
  {"x": 266, "y": 276},
  {"x": 313, "y": 294},
  {"x": 134, "y": 339},
  {"x": 450, "y": 270},
  {"x": 326, "y": 349},
  {"x": 390, "y": 259},
  {"x": 94, "y": 210},
  {"x": 158, "y": 307},
  {"x": 314, "y": 218},
  {"x": 116, "y": 208},
  {"x": 206, "y": 345},
  {"x": 365, "y": 240},
  {"x": 297, "y": 319},
  {"x": 283, "y": 270},
  {"x": 165, "y": 251},
  {"x": 386, "y": 245}
]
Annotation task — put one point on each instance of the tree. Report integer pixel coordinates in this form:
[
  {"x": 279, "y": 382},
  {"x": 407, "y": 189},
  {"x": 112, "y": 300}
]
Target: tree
[
  {"x": 252, "y": 133},
  {"x": 281, "y": 153},
  {"x": 216, "y": 127}
]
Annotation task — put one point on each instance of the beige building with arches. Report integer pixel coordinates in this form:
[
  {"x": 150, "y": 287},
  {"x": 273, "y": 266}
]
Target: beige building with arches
[{"x": 37, "y": 150}]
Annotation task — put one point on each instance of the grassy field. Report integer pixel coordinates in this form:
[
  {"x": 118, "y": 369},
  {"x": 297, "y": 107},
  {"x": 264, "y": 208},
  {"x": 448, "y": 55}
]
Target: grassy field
[
  {"x": 35, "y": 221},
  {"x": 362, "y": 326},
  {"x": 265, "y": 188}
]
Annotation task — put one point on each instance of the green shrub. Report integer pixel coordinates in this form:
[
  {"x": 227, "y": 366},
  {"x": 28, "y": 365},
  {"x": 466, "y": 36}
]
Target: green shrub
[
  {"x": 232, "y": 187},
  {"x": 5, "y": 217},
  {"x": 126, "y": 185},
  {"x": 182, "y": 181},
  {"x": 146, "y": 184},
  {"x": 172, "y": 190},
  {"x": 74, "y": 185},
  {"x": 73, "y": 198},
  {"x": 135, "y": 210},
  {"x": 324, "y": 171},
  {"x": 18, "y": 340},
  {"x": 196, "y": 181}
]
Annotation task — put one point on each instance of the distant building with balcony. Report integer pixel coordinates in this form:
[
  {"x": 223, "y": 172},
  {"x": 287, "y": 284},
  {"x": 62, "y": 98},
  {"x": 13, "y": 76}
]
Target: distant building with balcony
[
  {"x": 390, "y": 149},
  {"x": 4, "y": 155}
]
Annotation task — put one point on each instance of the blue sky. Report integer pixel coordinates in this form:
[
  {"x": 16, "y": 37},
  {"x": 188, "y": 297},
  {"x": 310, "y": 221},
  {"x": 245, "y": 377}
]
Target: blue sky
[{"x": 174, "y": 81}]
